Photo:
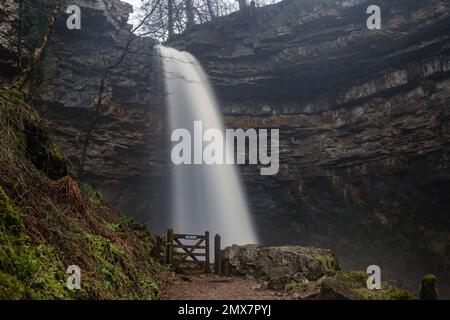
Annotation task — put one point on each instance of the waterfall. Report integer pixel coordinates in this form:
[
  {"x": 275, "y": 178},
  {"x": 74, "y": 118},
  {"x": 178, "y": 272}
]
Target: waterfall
[{"x": 205, "y": 197}]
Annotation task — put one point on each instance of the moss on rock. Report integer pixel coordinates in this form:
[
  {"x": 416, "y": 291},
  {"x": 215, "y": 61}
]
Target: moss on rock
[
  {"x": 30, "y": 135},
  {"x": 328, "y": 261},
  {"x": 428, "y": 289},
  {"x": 357, "y": 281},
  {"x": 26, "y": 271},
  {"x": 11, "y": 223}
]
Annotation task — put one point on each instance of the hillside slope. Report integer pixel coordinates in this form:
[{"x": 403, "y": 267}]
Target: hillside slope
[{"x": 47, "y": 222}]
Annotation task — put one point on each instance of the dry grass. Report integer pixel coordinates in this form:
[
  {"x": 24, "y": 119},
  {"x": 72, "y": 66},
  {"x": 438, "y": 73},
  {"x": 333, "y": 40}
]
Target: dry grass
[{"x": 116, "y": 263}]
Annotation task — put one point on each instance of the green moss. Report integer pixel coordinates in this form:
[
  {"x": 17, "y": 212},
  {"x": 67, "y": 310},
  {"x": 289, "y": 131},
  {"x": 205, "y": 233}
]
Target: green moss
[
  {"x": 133, "y": 224},
  {"x": 387, "y": 292},
  {"x": 104, "y": 247},
  {"x": 26, "y": 272},
  {"x": 11, "y": 95},
  {"x": 30, "y": 136},
  {"x": 112, "y": 266},
  {"x": 12, "y": 112},
  {"x": 14, "y": 108},
  {"x": 428, "y": 289},
  {"x": 90, "y": 191},
  {"x": 354, "y": 279},
  {"x": 107, "y": 256},
  {"x": 151, "y": 286},
  {"x": 9, "y": 117},
  {"x": 11, "y": 223},
  {"x": 430, "y": 278},
  {"x": 43, "y": 153},
  {"x": 11, "y": 288},
  {"x": 357, "y": 281},
  {"x": 329, "y": 262},
  {"x": 296, "y": 286},
  {"x": 113, "y": 226},
  {"x": 21, "y": 142}
]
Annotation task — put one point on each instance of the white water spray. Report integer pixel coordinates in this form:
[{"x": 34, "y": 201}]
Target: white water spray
[{"x": 206, "y": 197}]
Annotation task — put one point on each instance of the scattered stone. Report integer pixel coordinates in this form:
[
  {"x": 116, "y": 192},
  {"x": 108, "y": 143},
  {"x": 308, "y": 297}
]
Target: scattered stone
[{"x": 256, "y": 287}]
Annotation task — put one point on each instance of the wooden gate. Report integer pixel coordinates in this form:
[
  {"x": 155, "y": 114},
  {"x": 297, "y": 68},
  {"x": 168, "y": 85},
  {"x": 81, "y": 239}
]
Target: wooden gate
[{"x": 177, "y": 251}]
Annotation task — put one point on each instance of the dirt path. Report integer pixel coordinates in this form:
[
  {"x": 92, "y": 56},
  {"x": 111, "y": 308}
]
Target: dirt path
[{"x": 195, "y": 285}]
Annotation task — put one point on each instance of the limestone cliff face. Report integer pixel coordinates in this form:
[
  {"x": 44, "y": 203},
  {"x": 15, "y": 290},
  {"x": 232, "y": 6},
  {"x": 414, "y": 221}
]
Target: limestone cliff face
[
  {"x": 125, "y": 156},
  {"x": 364, "y": 124},
  {"x": 9, "y": 13}
]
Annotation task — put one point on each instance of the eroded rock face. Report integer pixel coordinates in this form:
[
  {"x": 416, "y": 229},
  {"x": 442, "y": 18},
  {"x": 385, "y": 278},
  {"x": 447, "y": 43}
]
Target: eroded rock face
[
  {"x": 8, "y": 37},
  {"x": 364, "y": 126},
  {"x": 298, "y": 50},
  {"x": 273, "y": 263},
  {"x": 127, "y": 154}
]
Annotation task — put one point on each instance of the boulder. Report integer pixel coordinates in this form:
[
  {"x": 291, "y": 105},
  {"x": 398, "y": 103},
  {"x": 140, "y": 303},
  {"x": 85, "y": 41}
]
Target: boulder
[
  {"x": 332, "y": 289},
  {"x": 283, "y": 263}
]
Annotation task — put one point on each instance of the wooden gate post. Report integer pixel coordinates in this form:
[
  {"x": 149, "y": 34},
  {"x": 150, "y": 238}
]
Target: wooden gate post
[
  {"x": 217, "y": 257},
  {"x": 169, "y": 247},
  {"x": 207, "y": 260}
]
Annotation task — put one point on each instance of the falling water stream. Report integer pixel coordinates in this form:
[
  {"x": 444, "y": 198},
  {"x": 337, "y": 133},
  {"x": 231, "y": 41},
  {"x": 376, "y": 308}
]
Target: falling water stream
[{"x": 206, "y": 197}]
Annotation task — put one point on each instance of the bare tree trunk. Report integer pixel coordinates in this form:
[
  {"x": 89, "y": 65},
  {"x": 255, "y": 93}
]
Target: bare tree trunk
[
  {"x": 242, "y": 4},
  {"x": 170, "y": 19},
  {"x": 210, "y": 9},
  {"x": 189, "y": 14}
]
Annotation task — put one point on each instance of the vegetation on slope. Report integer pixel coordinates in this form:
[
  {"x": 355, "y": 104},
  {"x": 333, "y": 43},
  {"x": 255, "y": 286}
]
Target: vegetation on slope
[
  {"x": 357, "y": 281},
  {"x": 47, "y": 223}
]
